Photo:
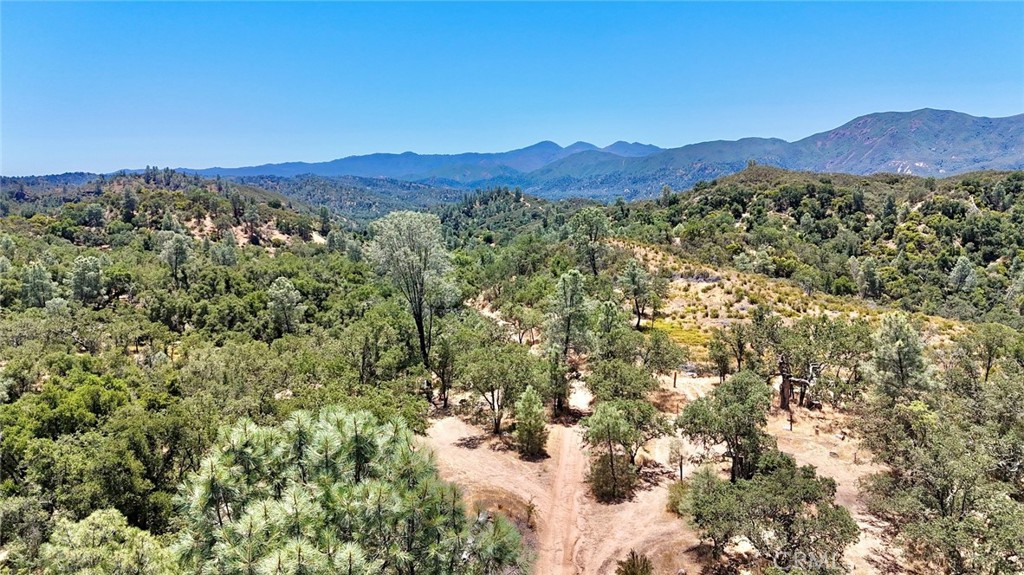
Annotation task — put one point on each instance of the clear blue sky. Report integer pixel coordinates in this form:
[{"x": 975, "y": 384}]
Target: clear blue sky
[{"x": 99, "y": 87}]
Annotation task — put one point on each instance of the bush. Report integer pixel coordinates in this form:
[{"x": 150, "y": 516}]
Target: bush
[
  {"x": 677, "y": 494},
  {"x": 635, "y": 564}
]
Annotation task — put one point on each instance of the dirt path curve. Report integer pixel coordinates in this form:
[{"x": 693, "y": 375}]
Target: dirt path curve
[{"x": 561, "y": 529}]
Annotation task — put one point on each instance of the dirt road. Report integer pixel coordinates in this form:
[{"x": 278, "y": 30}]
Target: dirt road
[
  {"x": 575, "y": 535},
  {"x": 560, "y": 522}
]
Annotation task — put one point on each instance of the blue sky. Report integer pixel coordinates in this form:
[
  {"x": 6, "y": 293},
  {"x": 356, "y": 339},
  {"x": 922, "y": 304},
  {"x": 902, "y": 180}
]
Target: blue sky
[{"x": 104, "y": 86}]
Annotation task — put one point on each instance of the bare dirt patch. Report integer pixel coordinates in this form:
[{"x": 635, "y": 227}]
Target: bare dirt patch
[
  {"x": 573, "y": 534},
  {"x": 823, "y": 439}
]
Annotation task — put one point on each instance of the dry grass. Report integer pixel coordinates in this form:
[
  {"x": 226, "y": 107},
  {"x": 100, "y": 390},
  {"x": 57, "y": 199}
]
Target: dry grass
[{"x": 703, "y": 299}]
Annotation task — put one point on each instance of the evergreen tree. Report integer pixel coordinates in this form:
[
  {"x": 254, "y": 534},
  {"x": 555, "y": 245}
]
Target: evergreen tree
[
  {"x": 175, "y": 253},
  {"x": 102, "y": 543},
  {"x": 335, "y": 493},
  {"x": 129, "y": 203},
  {"x": 587, "y": 231},
  {"x": 325, "y": 221},
  {"x": 611, "y": 476},
  {"x": 86, "y": 279},
  {"x": 284, "y": 304},
  {"x": 336, "y": 241},
  {"x": 225, "y": 252},
  {"x": 898, "y": 361},
  {"x": 531, "y": 432},
  {"x": 569, "y": 317},
  {"x": 962, "y": 277},
  {"x": 6, "y": 246},
  {"x": 636, "y": 285},
  {"x": 36, "y": 286}
]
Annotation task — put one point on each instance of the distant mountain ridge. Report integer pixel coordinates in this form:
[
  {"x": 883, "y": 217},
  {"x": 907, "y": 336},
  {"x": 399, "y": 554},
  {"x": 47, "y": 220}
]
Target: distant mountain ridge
[
  {"x": 469, "y": 166},
  {"x": 924, "y": 142}
]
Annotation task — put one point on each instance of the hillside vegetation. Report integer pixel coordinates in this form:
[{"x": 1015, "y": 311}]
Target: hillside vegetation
[
  {"x": 950, "y": 247},
  {"x": 204, "y": 376}
]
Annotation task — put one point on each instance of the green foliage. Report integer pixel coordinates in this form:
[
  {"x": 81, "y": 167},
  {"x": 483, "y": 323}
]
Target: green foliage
[
  {"x": 174, "y": 252},
  {"x": 225, "y": 252},
  {"x": 719, "y": 355},
  {"x": 284, "y": 304},
  {"x": 409, "y": 250},
  {"x": 712, "y": 506},
  {"x": 587, "y": 230},
  {"x": 662, "y": 355},
  {"x": 334, "y": 492},
  {"x": 898, "y": 360},
  {"x": 617, "y": 379},
  {"x": 734, "y": 414},
  {"x": 611, "y": 338},
  {"x": 612, "y": 475},
  {"x": 962, "y": 277},
  {"x": 37, "y": 288},
  {"x": 635, "y": 283},
  {"x": 950, "y": 487},
  {"x": 902, "y": 241},
  {"x": 634, "y": 564},
  {"x": 645, "y": 423},
  {"x": 531, "y": 432},
  {"x": 109, "y": 398},
  {"x": 86, "y": 279},
  {"x": 104, "y": 543},
  {"x": 785, "y": 511},
  {"x": 499, "y": 374},
  {"x": 568, "y": 329}
]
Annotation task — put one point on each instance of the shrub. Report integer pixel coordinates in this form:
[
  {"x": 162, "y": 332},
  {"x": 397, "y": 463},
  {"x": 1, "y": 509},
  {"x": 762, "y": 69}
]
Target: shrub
[{"x": 635, "y": 564}]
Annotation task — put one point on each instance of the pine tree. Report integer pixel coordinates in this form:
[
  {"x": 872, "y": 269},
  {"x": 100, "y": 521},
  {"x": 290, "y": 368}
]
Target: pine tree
[
  {"x": 587, "y": 231},
  {"x": 225, "y": 252},
  {"x": 36, "y": 286},
  {"x": 962, "y": 277},
  {"x": 86, "y": 279},
  {"x": 103, "y": 542},
  {"x": 636, "y": 284},
  {"x": 175, "y": 253},
  {"x": 611, "y": 476},
  {"x": 338, "y": 492},
  {"x": 898, "y": 363},
  {"x": 531, "y": 433},
  {"x": 284, "y": 306}
]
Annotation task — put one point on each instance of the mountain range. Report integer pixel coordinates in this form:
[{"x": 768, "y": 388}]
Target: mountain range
[{"x": 924, "y": 142}]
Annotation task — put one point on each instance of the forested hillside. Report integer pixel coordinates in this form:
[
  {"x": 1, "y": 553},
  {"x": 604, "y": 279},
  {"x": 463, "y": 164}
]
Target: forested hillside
[
  {"x": 952, "y": 247},
  {"x": 137, "y": 322},
  {"x": 774, "y": 371}
]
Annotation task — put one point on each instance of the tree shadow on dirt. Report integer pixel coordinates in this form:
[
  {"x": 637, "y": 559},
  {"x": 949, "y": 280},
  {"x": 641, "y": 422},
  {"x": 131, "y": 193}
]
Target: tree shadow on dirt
[
  {"x": 652, "y": 475},
  {"x": 472, "y": 441},
  {"x": 570, "y": 417}
]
